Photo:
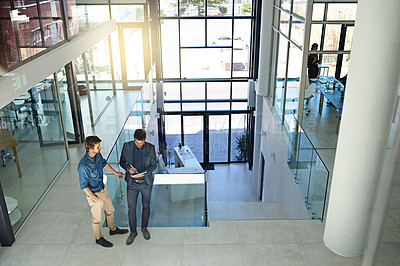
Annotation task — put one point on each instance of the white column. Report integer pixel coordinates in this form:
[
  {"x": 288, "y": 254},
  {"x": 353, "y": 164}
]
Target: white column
[
  {"x": 367, "y": 113},
  {"x": 264, "y": 69}
]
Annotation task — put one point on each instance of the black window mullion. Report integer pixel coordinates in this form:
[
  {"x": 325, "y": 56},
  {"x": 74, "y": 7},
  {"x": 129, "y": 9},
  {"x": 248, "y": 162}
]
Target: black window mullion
[
  {"x": 232, "y": 35},
  {"x": 339, "y": 60},
  {"x": 206, "y": 95},
  {"x": 181, "y": 95},
  {"x": 182, "y": 131},
  {"x": 323, "y": 29},
  {"x": 205, "y": 32}
]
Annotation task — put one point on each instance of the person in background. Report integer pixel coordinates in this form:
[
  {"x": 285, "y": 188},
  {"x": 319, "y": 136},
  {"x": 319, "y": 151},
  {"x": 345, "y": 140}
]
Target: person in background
[
  {"x": 312, "y": 63},
  {"x": 90, "y": 169},
  {"x": 138, "y": 158}
]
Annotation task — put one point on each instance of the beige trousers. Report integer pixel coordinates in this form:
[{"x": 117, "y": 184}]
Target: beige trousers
[{"x": 96, "y": 209}]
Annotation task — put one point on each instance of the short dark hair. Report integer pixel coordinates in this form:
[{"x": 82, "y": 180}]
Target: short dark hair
[
  {"x": 314, "y": 45},
  {"x": 140, "y": 134},
  {"x": 90, "y": 142}
]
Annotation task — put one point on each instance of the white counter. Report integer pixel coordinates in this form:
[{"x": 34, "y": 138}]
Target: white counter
[{"x": 185, "y": 162}]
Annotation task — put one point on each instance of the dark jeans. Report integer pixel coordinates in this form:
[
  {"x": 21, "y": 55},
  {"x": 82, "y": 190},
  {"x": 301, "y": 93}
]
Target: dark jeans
[{"x": 132, "y": 195}]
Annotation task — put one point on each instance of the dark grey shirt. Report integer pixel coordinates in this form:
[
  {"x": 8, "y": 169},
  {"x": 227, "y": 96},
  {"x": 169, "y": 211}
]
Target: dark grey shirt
[{"x": 138, "y": 160}]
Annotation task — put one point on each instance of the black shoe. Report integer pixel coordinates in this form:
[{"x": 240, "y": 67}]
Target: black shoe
[
  {"x": 146, "y": 233},
  {"x": 119, "y": 231},
  {"x": 104, "y": 243},
  {"x": 131, "y": 237}
]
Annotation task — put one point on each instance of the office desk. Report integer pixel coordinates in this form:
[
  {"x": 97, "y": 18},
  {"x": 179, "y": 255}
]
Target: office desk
[
  {"x": 8, "y": 141},
  {"x": 335, "y": 97}
]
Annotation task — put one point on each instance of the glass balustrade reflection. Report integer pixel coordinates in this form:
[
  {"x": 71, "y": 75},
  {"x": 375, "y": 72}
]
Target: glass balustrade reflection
[
  {"x": 178, "y": 200},
  {"x": 310, "y": 173}
]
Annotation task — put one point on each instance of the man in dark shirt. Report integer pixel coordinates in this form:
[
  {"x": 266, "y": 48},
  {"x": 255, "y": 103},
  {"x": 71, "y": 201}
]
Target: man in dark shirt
[
  {"x": 313, "y": 62},
  {"x": 138, "y": 158},
  {"x": 90, "y": 169}
]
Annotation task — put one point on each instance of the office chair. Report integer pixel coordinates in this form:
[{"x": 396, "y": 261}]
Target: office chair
[
  {"x": 3, "y": 152},
  {"x": 308, "y": 94}
]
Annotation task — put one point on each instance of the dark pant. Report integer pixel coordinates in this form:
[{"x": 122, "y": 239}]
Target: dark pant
[{"x": 132, "y": 195}]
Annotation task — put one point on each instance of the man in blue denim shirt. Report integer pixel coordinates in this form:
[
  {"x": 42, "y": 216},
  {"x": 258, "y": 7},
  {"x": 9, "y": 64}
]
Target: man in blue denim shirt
[{"x": 90, "y": 169}]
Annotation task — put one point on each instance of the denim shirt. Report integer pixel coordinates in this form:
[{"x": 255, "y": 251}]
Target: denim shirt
[{"x": 91, "y": 172}]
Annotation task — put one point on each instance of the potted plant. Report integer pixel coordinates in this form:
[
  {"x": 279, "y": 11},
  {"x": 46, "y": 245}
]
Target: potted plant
[{"x": 242, "y": 148}]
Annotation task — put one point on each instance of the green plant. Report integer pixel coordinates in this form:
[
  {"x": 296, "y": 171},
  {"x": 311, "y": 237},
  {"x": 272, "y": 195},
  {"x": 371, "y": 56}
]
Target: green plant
[
  {"x": 223, "y": 9},
  {"x": 246, "y": 8},
  {"x": 241, "y": 146}
]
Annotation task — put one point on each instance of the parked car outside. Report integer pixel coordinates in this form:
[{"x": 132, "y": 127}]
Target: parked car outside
[{"x": 238, "y": 43}]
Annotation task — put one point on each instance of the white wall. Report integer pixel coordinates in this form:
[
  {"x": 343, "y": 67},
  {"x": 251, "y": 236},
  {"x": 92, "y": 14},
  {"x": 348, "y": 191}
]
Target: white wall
[{"x": 279, "y": 185}]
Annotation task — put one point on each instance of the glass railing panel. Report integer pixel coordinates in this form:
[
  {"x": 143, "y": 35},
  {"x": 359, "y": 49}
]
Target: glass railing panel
[
  {"x": 293, "y": 145},
  {"x": 317, "y": 187},
  {"x": 178, "y": 200},
  {"x": 178, "y": 195},
  {"x": 303, "y": 164},
  {"x": 310, "y": 173}
]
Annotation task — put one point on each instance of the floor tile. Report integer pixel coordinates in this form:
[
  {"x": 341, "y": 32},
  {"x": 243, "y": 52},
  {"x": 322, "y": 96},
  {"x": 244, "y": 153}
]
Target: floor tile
[
  {"x": 246, "y": 210},
  {"x": 212, "y": 255},
  {"x": 318, "y": 254},
  {"x": 219, "y": 232},
  {"x": 388, "y": 254},
  {"x": 36, "y": 255},
  {"x": 51, "y": 228},
  {"x": 276, "y": 211},
  {"x": 64, "y": 199},
  {"x": 146, "y": 254},
  {"x": 4, "y": 251},
  {"x": 307, "y": 231},
  {"x": 391, "y": 230},
  {"x": 218, "y": 211},
  {"x": 272, "y": 254},
  {"x": 94, "y": 255},
  {"x": 266, "y": 232}
]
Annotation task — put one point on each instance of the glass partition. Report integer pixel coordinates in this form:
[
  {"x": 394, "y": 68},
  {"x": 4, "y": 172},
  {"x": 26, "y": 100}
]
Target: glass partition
[
  {"x": 310, "y": 172},
  {"x": 32, "y": 149}
]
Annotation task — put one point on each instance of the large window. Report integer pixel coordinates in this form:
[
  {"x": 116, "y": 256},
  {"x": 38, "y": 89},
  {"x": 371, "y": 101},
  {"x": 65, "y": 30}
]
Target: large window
[
  {"x": 207, "y": 39},
  {"x": 27, "y": 28},
  {"x": 331, "y": 27},
  {"x": 206, "y": 57}
]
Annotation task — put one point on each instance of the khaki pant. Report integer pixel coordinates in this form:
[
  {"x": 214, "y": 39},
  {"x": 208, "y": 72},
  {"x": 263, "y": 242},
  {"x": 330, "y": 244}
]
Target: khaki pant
[{"x": 105, "y": 203}]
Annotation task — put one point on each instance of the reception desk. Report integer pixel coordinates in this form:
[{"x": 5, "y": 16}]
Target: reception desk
[{"x": 185, "y": 162}]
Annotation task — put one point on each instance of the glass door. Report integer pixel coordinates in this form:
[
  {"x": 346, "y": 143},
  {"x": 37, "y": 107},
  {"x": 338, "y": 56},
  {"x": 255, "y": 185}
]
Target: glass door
[
  {"x": 46, "y": 114},
  {"x": 68, "y": 104},
  {"x": 193, "y": 135},
  {"x": 218, "y": 138}
]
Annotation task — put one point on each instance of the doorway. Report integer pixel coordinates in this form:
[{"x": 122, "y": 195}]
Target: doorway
[
  {"x": 134, "y": 55},
  {"x": 211, "y": 135}
]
